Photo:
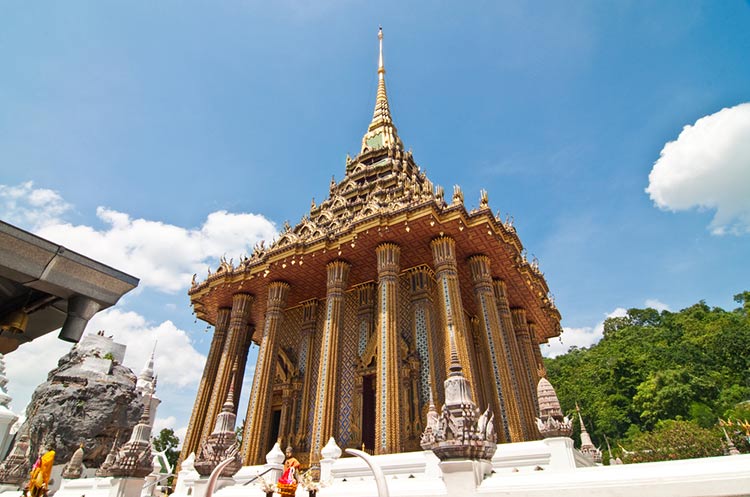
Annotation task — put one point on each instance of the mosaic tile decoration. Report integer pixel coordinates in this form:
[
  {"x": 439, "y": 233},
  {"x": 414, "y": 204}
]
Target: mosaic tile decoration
[
  {"x": 383, "y": 303},
  {"x": 324, "y": 354},
  {"x": 495, "y": 366},
  {"x": 404, "y": 322},
  {"x": 314, "y": 368},
  {"x": 348, "y": 341},
  {"x": 439, "y": 353},
  {"x": 291, "y": 333},
  {"x": 362, "y": 337},
  {"x": 420, "y": 326}
]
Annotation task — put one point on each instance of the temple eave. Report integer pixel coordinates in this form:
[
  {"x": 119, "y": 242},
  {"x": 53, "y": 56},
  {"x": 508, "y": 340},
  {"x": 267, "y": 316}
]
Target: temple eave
[{"x": 302, "y": 261}]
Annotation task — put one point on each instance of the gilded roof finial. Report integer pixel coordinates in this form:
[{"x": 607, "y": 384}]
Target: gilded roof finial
[
  {"x": 381, "y": 67},
  {"x": 381, "y": 134}
]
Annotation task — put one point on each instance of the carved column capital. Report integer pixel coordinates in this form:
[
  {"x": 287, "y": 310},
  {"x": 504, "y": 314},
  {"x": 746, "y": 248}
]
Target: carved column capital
[
  {"x": 277, "y": 293},
  {"x": 309, "y": 314},
  {"x": 443, "y": 252},
  {"x": 480, "y": 269},
  {"x": 421, "y": 282},
  {"x": 337, "y": 275},
  {"x": 388, "y": 259},
  {"x": 501, "y": 289}
]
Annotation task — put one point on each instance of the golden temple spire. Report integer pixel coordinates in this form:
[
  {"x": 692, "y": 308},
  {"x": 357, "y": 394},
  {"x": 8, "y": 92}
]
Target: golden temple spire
[{"x": 381, "y": 133}]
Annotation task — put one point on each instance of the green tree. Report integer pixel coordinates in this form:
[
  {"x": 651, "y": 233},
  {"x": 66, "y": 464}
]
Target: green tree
[
  {"x": 653, "y": 366},
  {"x": 167, "y": 441},
  {"x": 672, "y": 440}
]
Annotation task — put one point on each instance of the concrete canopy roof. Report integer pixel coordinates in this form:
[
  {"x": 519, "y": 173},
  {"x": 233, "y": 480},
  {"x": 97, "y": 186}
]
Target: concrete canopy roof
[{"x": 44, "y": 286}]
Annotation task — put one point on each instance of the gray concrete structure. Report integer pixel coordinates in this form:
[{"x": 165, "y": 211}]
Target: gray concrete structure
[{"x": 44, "y": 286}]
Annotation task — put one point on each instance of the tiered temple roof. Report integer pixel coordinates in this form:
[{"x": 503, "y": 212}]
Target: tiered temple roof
[{"x": 383, "y": 195}]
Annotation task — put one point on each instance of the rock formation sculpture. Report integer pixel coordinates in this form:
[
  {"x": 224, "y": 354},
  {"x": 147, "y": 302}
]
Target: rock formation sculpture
[{"x": 90, "y": 396}]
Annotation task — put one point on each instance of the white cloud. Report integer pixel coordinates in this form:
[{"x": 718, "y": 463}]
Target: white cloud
[
  {"x": 580, "y": 337},
  {"x": 27, "y": 367},
  {"x": 33, "y": 208},
  {"x": 177, "y": 364},
  {"x": 162, "y": 423},
  {"x": 708, "y": 167},
  {"x": 163, "y": 256},
  {"x": 657, "y": 304}
]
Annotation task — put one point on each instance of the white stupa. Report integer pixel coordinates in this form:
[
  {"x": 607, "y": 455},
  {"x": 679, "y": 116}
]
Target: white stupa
[
  {"x": 146, "y": 386},
  {"x": 7, "y": 417}
]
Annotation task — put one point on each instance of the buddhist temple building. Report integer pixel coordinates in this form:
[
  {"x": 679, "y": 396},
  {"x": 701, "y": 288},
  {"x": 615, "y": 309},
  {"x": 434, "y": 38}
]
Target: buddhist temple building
[{"x": 354, "y": 308}]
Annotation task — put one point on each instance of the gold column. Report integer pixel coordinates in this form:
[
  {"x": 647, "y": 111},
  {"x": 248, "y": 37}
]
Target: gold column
[
  {"x": 446, "y": 271},
  {"x": 485, "y": 383},
  {"x": 387, "y": 425},
  {"x": 309, "y": 321},
  {"x": 535, "y": 348},
  {"x": 203, "y": 397},
  {"x": 505, "y": 398},
  {"x": 241, "y": 362},
  {"x": 519, "y": 365},
  {"x": 238, "y": 323},
  {"x": 256, "y": 423},
  {"x": 325, "y": 396},
  {"x": 524, "y": 346},
  {"x": 421, "y": 284}
]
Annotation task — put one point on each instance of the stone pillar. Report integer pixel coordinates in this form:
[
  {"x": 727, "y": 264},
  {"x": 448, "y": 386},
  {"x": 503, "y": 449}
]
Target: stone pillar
[
  {"x": 239, "y": 318},
  {"x": 309, "y": 321},
  {"x": 505, "y": 398},
  {"x": 451, "y": 307},
  {"x": 387, "y": 424},
  {"x": 325, "y": 396},
  {"x": 203, "y": 398},
  {"x": 256, "y": 429},
  {"x": 520, "y": 367},
  {"x": 524, "y": 347}
]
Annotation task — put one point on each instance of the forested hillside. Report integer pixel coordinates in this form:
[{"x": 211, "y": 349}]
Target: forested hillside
[{"x": 650, "y": 366}]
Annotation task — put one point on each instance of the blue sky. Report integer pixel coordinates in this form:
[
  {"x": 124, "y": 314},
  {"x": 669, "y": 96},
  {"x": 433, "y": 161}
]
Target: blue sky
[{"x": 159, "y": 136}]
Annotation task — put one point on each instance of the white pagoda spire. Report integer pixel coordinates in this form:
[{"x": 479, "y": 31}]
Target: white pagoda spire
[{"x": 7, "y": 417}]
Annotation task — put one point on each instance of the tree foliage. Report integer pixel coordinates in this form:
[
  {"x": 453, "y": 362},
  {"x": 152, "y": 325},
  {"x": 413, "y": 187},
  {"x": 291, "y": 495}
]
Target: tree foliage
[
  {"x": 653, "y": 366},
  {"x": 167, "y": 441},
  {"x": 672, "y": 440}
]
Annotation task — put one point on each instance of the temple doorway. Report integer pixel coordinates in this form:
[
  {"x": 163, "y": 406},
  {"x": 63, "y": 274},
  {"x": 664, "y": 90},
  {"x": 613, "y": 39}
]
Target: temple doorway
[
  {"x": 274, "y": 434},
  {"x": 368, "y": 412}
]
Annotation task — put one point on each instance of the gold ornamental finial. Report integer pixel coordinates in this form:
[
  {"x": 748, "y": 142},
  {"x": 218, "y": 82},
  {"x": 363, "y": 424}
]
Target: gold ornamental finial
[
  {"x": 381, "y": 134},
  {"x": 381, "y": 67}
]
